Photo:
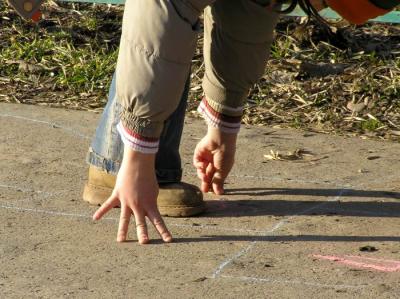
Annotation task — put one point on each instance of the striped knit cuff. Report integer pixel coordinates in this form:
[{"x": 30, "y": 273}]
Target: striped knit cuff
[
  {"x": 137, "y": 142},
  {"x": 223, "y": 122}
]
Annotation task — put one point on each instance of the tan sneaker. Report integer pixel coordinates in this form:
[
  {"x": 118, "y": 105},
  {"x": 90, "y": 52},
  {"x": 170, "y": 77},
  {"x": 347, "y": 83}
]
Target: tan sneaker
[{"x": 174, "y": 200}]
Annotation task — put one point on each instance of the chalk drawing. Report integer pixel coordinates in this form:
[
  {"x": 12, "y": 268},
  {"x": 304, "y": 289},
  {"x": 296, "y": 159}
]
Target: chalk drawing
[
  {"x": 10, "y": 206},
  {"x": 42, "y": 195},
  {"x": 279, "y": 179},
  {"x": 235, "y": 175},
  {"x": 243, "y": 176},
  {"x": 395, "y": 266},
  {"x": 377, "y": 264},
  {"x": 49, "y": 212},
  {"x": 343, "y": 182},
  {"x": 21, "y": 189},
  {"x": 225, "y": 263},
  {"x": 50, "y": 124},
  {"x": 275, "y": 228}
]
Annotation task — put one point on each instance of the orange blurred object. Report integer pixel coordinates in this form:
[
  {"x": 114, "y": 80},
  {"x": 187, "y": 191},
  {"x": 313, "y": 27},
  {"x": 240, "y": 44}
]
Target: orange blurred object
[
  {"x": 37, "y": 16},
  {"x": 356, "y": 11}
]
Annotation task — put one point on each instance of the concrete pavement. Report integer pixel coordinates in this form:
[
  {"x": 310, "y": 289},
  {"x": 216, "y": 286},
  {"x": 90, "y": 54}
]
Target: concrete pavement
[{"x": 285, "y": 229}]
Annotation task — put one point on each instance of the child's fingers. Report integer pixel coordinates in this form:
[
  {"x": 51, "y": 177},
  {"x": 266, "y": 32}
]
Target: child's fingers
[
  {"x": 155, "y": 218},
  {"x": 205, "y": 187},
  {"x": 110, "y": 203},
  {"x": 218, "y": 183},
  {"x": 124, "y": 219},
  {"x": 141, "y": 226}
]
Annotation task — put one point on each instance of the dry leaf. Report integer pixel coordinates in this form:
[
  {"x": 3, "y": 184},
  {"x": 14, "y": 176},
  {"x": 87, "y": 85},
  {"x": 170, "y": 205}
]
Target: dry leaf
[
  {"x": 396, "y": 133},
  {"x": 297, "y": 154},
  {"x": 273, "y": 155},
  {"x": 353, "y": 107}
]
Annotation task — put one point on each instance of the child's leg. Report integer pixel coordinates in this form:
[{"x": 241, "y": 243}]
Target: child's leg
[
  {"x": 105, "y": 155},
  {"x": 107, "y": 148},
  {"x": 168, "y": 159}
]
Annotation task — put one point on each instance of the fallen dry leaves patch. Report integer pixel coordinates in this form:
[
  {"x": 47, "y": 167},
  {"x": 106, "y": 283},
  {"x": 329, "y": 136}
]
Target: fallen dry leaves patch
[
  {"x": 295, "y": 155},
  {"x": 346, "y": 82}
]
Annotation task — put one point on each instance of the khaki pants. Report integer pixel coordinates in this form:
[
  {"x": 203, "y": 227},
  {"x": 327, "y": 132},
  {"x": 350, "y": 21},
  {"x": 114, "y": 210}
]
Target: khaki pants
[{"x": 157, "y": 44}]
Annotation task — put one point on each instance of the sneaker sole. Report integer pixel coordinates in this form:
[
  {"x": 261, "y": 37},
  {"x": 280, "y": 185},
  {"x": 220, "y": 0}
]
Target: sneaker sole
[{"x": 176, "y": 211}]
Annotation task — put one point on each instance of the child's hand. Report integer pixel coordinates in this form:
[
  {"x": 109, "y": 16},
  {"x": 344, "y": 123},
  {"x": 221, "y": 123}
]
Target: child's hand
[
  {"x": 213, "y": 158},
  {"x": 136, "y": 191}
]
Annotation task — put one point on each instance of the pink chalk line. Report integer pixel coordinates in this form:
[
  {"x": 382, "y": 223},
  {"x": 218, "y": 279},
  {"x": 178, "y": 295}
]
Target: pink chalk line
[{"x": 377, "y": 264}]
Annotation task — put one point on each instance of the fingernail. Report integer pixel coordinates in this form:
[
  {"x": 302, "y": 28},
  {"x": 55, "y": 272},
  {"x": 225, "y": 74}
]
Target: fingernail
[
  {"x": 167, "y": 239},
  {"x": 144, "y": 241}
]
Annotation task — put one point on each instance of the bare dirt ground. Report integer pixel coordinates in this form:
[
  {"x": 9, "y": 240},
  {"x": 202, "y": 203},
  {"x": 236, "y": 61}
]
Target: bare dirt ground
[{"x": 305, "y": 215}]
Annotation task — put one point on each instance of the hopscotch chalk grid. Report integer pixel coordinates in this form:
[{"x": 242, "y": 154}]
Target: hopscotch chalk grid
[{"x": 218, "y": 271}]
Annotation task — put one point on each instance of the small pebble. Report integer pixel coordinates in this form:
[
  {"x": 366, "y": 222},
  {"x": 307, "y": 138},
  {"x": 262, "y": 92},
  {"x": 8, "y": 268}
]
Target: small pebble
[
  {"x": 373, "y": 157},
  {"x": 368, "y": 248},
  {"x": 200, "y": 279}
]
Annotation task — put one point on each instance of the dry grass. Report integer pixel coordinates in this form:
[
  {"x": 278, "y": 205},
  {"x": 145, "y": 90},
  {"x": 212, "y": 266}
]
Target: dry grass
[{"x": 347, "y": 82}]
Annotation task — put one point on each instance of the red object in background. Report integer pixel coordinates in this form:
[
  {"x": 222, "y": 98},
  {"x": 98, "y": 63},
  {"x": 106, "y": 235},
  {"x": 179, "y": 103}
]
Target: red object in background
[
  {"x": 28, "y": 9},
  {"x": 37, "y": 16},
  {"x": 356, "y": 11}
]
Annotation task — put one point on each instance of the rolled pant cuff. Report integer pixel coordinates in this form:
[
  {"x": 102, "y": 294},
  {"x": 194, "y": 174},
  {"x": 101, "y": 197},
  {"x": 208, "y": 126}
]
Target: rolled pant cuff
[{"x": 103, "y": 163}]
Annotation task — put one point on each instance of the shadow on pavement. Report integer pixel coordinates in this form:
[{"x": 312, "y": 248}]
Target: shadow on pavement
[
  {"x": 289, "y": 238},
  {"x": 314, "y": 192},
  {"x": 374, "y": 207}
]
